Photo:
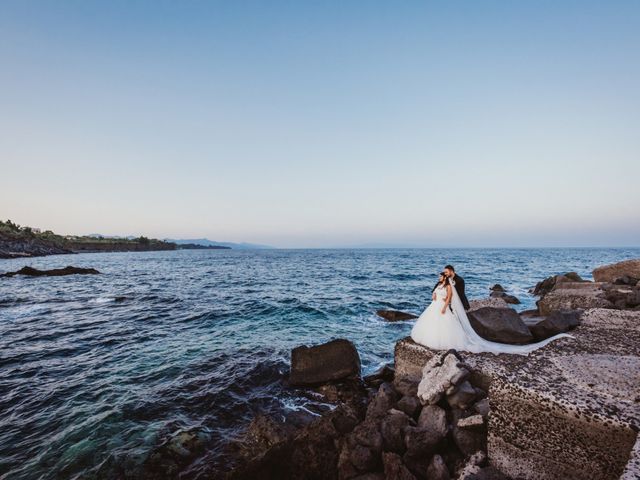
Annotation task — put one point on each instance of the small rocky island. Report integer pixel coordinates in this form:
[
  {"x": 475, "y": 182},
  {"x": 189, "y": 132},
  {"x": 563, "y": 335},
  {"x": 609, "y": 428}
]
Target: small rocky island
[{"x": 570, "y": 410}]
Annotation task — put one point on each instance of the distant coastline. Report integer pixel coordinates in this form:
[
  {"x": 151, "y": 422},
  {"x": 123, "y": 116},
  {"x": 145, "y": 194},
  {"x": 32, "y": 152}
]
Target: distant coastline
[{"x": 18, "y": 241}]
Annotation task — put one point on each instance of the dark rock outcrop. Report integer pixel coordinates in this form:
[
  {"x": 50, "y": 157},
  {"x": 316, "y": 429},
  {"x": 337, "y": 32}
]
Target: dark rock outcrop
[
  {"x": 557, "y": 322},
  {"x": 549, "y": 283},
  {"x": 395, "y": 315},
  {"x": 383, "y": 374},
  {"x": 177, "y": 450},
  {"x": 380, "y": 441},
  {"x": 622, "y": 296},
  {"x": 500, "y": 325},
  {"x": 56, "y": 272},
  {"x": 331, "y": 361}
]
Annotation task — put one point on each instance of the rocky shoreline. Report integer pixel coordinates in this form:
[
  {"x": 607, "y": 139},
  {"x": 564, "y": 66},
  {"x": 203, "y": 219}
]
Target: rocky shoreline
[
  {"x": 23, "y": 242},
  {"x": 445, "y": 415}
]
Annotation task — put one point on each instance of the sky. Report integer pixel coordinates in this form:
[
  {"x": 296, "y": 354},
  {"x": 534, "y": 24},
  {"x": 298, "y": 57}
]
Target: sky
[{"x": 324, "y": 124}]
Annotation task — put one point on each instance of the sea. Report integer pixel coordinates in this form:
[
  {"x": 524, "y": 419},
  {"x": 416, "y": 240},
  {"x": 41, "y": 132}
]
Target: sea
[{"x": 96, "y": 369}]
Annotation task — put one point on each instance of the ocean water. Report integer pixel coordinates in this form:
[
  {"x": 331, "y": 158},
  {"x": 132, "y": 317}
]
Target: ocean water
[{"x": 94, "y": 368}]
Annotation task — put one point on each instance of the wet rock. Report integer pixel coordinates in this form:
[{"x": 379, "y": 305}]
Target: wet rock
[
  {"x": 331, "y": 361},
  {"x": 342, "y": 391},
  {"x": 439, "y": 374},
  {"x": 410, "y": 405},
  {"x": 502, "y": 325},
  {"x": 437, "y": 469},
  {"x": 394, "y": 468},
  {"x": 313, "y": 453},
  {"x": 608, "y": 273},
  {"x": 175, "y": 452},
  {"x": 434, "y": 418},
  {"x": 382, "y": 402},
  {"x": 393, "y": 429},
  {"x": 557, "y": 322},
  {"x": 56, "y": 272},
  {"x": 463, "y": 397},
  {"x": 395, "y": 315},
  {"x": 386, "y": 373},
  {"x": 263, "y": 433}
]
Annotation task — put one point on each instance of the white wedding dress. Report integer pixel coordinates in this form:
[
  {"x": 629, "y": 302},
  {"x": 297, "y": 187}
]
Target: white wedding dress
[{"x": 452, "y": 329}]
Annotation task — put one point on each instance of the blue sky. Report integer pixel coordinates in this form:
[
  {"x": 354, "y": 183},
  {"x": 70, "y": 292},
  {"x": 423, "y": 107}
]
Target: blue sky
[{"x": 312, "y": 124}]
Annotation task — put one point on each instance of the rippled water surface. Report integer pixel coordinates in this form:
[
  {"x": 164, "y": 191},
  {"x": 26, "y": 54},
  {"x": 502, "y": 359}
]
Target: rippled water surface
[{"x": 93, "y": 367}]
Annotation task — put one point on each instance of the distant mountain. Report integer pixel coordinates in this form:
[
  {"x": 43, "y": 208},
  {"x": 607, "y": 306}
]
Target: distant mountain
[{"x": 207, "y": 242}]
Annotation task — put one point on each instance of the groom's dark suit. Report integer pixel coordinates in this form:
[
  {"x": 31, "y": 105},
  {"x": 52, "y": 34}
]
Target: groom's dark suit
[{"x": 459, "y": 286}]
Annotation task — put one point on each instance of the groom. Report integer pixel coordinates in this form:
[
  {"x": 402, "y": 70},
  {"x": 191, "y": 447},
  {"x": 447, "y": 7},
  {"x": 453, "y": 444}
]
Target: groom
[{"x": 458, "y": 283}]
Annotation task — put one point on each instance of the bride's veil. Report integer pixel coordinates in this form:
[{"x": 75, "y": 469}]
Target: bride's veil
[{"x": 479, "y": 344}]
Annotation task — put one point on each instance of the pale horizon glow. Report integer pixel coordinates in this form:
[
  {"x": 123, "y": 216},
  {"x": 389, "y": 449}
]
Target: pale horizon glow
[{"x": 324, "y": 125}]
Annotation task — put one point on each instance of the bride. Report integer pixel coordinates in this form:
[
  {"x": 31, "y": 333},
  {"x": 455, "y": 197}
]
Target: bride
[{"x": 444, "y": 325}]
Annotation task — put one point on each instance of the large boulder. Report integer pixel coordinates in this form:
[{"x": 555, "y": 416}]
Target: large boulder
[
  {"x": 502, "y": 325},
  {"x": 557, "y": 322},
  {"x": 395, "y": 315},
  {"x": 262, "y": 433},
  {"x": 440, "y": 374},
  {"x": 609, "y": 273},
  {"x": 331, "y": 361},
  {"x": 392, "y": 428},
  {"x": 434, "y": 418},
  {"x": 549, "y": 283},
  {"x": 56, "y": 272},
  {"x": 383, "y": 401}
]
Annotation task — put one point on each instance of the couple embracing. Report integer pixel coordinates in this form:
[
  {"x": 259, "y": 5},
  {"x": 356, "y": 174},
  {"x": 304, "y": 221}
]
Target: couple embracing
[{"x": 444, "y": 324}]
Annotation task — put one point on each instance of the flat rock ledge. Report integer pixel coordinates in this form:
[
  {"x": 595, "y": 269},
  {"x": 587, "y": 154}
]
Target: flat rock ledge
[{"x": 568, "y": 410}]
